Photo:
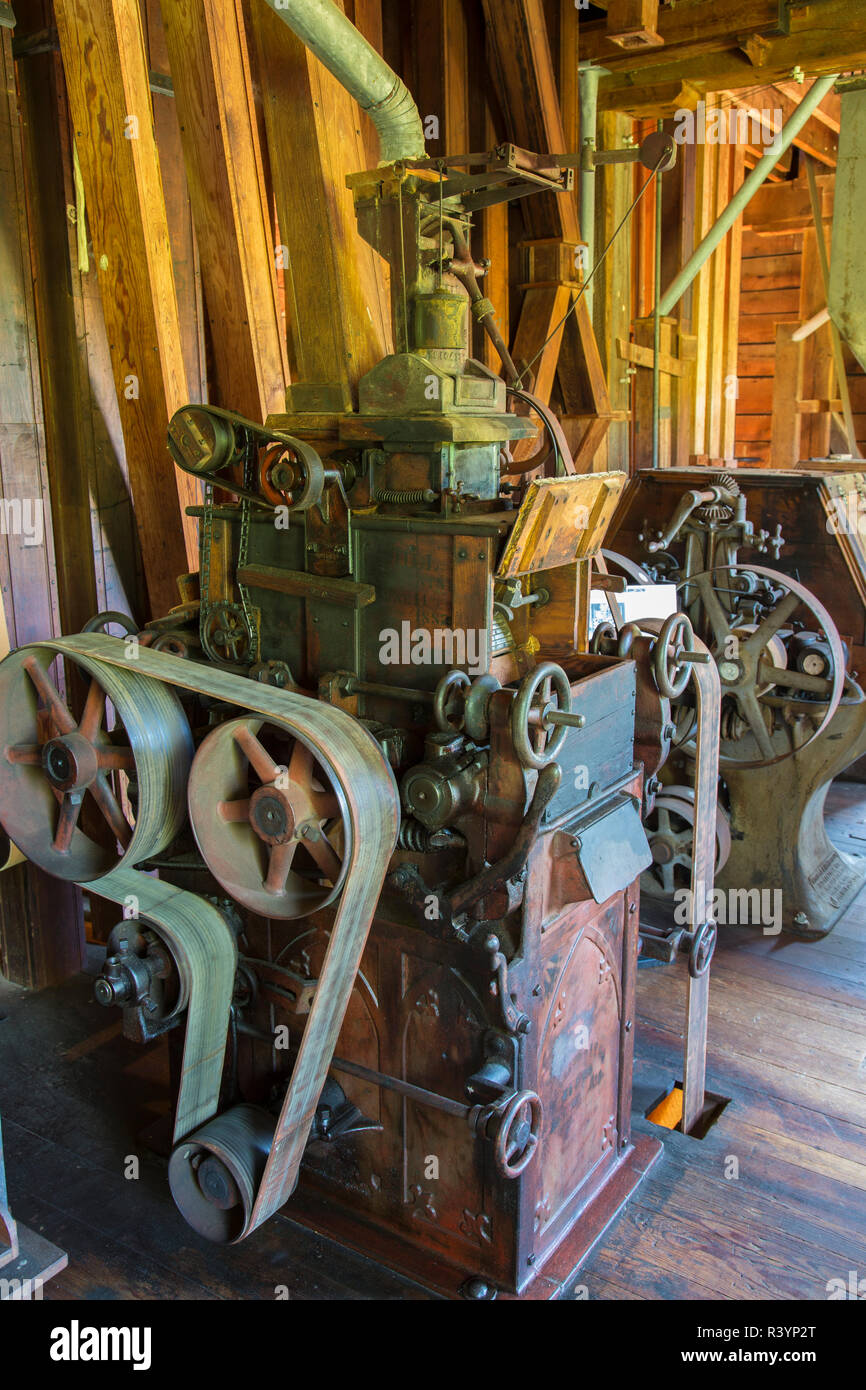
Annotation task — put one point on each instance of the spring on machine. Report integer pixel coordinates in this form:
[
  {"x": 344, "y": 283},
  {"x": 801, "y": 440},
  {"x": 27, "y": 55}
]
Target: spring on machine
[{"x": 416, "y": 495}]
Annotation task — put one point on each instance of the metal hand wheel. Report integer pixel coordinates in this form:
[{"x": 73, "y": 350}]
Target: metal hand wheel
[
  {"x": 452, "y": 681},
  {"x": 534, "y": 719},
  {"x": 673, "y": 651},
  {"x": 702, "y": 948},
  {"x": 516, "y": 1128}
]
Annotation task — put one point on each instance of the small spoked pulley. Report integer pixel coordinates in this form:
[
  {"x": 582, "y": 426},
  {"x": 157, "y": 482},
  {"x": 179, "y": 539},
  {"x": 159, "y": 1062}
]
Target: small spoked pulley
[
  {"x": 541, "y": 715},
  {"x": 670, "y": 829},
  {"x": 79, "y": 792},
  {"x": 269, "y": 817},
  {"x": 226, "y": 635}
]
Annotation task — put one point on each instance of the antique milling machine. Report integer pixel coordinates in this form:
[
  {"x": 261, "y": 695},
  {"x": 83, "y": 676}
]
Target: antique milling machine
[
  {"x": 792, "y": 716},
  {"x": 393, "y": 801}
]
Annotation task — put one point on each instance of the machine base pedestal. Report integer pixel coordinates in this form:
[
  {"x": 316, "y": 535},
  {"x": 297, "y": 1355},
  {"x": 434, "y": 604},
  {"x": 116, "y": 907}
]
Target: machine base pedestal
[
  {"x": 442, "y": 1278},
  {"x": 37, "y": 1262}
]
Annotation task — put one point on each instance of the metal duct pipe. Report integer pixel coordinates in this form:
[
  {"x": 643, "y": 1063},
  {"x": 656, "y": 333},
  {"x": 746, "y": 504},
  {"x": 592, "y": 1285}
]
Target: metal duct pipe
[
  {"x": 587, "y": 87},
  {"x": 366, "y": 76},
  {"x": 816, "y": 93}
]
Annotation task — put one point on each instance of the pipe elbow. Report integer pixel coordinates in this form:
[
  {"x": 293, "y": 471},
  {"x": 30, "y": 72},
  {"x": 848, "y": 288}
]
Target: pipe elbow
[{"x": 398, "y": 125}]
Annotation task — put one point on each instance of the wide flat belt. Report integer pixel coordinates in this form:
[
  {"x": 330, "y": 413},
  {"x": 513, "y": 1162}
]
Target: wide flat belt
[
  {"x": 204, "y": 948},
  {"x": 708, "y": 703},
  {"x": 356, "y": 762}
]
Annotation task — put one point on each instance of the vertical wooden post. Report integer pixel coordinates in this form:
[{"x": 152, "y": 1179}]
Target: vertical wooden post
[
  {"x": 817, "y": 351},
  {"x": 102, "y": 45},
  {"x": 718, "y": 311},
  {"x": 613, "y": 299},
  {"x": 68, "y": 446},
  {"x": 785, "y": 445},
  {"x": 336, "y": 286},
  {"x": 732, "y": 315}
]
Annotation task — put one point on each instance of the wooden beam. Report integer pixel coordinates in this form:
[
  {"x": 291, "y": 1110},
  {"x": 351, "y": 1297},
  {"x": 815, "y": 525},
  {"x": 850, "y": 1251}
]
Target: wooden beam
[
  {"x": 544, "y": 309},
  {"x": 771, "y": 109},
  {"x": 441, "y": 87},
  {"x": 336, "y": 286},
  {"x": 366, "y": 15},
  {"x": 65, "y": 389},
  {"x": 523, "y": 69},
  {"x": 184, "y": 251},
  {"x": 643, "y": 356},
  {"x": 785, "y": 446},
  {"x": 102, "y": 46},
  {"x": 41, "y": 920},
  {"x": 823, "y": 39},
  {"x": 816, "y": 354},
  {"x": 731, "y": 322},
  {"x": 210, "y": 69},
  {"x": 700, "y": 25},
  {"x": 612, "y": 307}
]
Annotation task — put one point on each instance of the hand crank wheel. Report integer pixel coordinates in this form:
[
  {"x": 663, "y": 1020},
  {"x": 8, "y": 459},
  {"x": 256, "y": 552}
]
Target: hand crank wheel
[
  {"x": 518, "y": 1127},
  {"x": 529, "y": 718}
]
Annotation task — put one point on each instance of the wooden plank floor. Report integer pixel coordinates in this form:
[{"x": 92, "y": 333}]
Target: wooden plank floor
[{"x": 787, "y": 1040}]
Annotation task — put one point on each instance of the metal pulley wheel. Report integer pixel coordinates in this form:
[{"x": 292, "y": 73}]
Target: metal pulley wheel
[
  {"x": 603, "y": 640},
  {"x": 51, "y": 761},
  {"x": 269, "y": 818},
  {"x": 100, "y": 621},
  {"x": 630, "y": 568},
  {"x": 215, "y": 1173},
  {"x": 291, "y": 475},
  {"x": 541, "y": 715},
  {"x": 225, "y": 634},
  {"x": 670, "y": 829},
  {"x": 750, "y": 675}
]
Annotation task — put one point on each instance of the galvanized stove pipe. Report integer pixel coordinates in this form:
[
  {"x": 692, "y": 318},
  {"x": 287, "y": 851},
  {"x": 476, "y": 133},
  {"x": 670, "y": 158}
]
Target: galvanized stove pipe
[
  {"x": 366, "y": 76},
  {"x": 588, "y": 80}
]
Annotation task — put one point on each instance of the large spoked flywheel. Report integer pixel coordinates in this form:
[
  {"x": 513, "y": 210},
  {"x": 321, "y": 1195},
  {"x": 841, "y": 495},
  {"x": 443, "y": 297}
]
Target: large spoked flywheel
[
  {"x": 269, "y": 818},
  {"x": 124, "y": 762},
  {"x": 779, "y": 655}
]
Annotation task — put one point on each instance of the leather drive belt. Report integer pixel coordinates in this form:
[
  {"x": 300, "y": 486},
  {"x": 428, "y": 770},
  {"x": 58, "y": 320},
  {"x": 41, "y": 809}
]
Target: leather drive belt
[
  {"x": 357, "y": 764},
  {"x": 202, "y": 944}
]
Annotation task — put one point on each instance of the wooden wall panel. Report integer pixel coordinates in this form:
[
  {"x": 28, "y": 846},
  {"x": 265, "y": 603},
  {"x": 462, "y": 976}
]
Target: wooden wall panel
[{"x": 207, "y": 49}]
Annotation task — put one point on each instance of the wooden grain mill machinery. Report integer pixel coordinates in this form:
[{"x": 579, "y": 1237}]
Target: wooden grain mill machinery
[{"x": 370, "y": 810}]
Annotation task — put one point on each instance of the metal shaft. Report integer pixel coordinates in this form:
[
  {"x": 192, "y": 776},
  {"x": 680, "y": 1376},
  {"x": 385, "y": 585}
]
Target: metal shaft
[{"x": 786, "y": 136}]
